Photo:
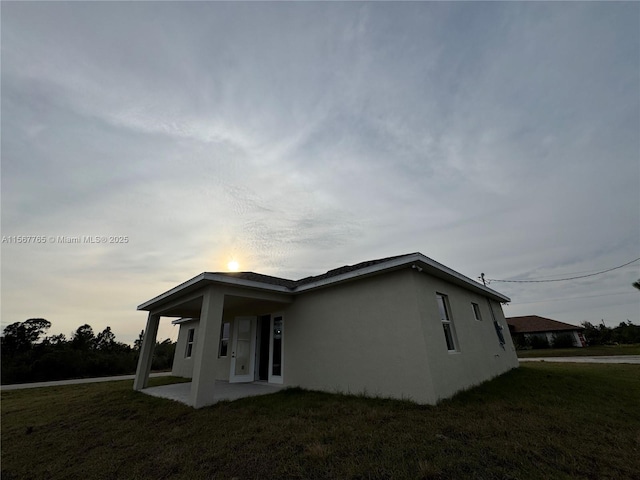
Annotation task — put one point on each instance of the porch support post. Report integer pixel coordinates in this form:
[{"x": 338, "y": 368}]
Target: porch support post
[
  {"x": 205, "y": 358},
  {"x": 146, "y": 352}
]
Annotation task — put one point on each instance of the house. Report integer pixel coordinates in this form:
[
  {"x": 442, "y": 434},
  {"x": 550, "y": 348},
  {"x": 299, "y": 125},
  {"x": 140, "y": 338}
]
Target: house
[
  {"x": 527, "y": 328},
  {"x": 402, "y": 327}
]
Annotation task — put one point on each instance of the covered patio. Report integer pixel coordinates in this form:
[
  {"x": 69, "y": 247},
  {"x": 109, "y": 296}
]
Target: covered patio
[
  {"x": 207, "y": 297},
  {"x": 181, "y": 392}
]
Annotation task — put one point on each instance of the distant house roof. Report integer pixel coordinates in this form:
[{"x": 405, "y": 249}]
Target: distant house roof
[
  {"x": 332, "y": 277},
  {"x": 535, "y": 324}
]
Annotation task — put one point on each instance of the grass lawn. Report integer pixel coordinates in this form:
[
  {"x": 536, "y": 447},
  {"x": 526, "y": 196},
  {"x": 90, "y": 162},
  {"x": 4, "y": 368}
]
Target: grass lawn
[
  {"x": 596, "y": 350},
  {"x": 541, "y": 421}
]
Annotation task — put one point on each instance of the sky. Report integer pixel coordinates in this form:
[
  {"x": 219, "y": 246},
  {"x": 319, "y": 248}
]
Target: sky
[{"x": 294, "y": 138}]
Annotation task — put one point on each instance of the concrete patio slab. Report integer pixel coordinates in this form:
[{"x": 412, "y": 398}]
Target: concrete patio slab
[{"x": 181, "y": 392}]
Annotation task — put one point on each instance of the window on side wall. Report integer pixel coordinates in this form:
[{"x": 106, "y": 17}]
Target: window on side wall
[
  {"x": 497, "y": 326},
  {"x": 447, "y": 323},
  {"x": 224, "y": 340},
  {"x": 476, "y": 311},
  {"x": 190, "y": 336}
]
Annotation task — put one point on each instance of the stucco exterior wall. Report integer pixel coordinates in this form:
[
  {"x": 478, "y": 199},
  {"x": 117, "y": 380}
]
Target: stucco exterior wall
[
  {"x": 357, "y": 337},
  {"x": 479, "y": 355},
  {"x": 183, "y": 367}
]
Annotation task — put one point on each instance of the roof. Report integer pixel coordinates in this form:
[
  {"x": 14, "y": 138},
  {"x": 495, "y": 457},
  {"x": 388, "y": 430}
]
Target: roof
[
  {"x": 332, "y": 277},
  {"x": 534, "y": 324},
  {"x": 259, "y": 278},
  {"x": 293, "y": 284}
]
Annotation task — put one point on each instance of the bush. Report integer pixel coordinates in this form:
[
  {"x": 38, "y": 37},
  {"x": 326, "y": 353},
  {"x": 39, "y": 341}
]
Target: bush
[
  {"x": 538, "y": 342},
  {"x": 520, "y": 341},
  {"x": 563, "y": 340}
]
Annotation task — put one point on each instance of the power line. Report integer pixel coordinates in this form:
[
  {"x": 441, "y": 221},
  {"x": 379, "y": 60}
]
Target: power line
[
  {"x": 574, "y": 298},
  {"x": 558, "y": 279}
]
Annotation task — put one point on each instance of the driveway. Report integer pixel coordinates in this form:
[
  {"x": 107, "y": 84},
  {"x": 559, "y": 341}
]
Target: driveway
[
  {"x": 612, "y": 359},
  {"x": 75, "y": 381}
]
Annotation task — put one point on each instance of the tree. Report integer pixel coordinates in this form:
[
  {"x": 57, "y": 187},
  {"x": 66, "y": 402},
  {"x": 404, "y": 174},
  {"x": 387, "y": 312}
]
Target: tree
[
  {"x": 591, "y": 333},
  {"x": 163, "y": 355},
  {"x": 83, "y": 338},
  {"x": 105, "y": 340},
  {"x": 137, "y": 345},
  {"x": 21, "y": 336},
  {"x": 626, "y": 332},
  {"x": 56, "y": 358},
  {"x": 59, "y": 339}
]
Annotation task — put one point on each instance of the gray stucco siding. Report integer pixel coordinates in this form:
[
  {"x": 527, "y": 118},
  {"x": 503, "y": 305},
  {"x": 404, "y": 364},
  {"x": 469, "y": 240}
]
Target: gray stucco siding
[
  {"x": 479, "y": 355},
  {"x": 359, "y": 337}
]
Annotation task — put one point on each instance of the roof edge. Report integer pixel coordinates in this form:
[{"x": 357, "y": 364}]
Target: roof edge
[
  {"x": 398, "y": 262},
  {"x": 419, "y": 259},
  {"x": 183, "y": 320},
  {"x": 189, "y": 283},
  {"x": 242, "y": 282}
]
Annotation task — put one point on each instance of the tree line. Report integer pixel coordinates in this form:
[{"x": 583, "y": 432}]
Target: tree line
[
  {"x": 625, "y": 333},
  {"x": 28, "y": 355},
  {"x": 600, "y": 334}
]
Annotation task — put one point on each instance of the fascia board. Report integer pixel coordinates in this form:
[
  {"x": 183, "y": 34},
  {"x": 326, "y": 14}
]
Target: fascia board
[
  {"x": 188, "y": 285},
  {"x": 361, "y": 272},
  {"x": 241, "y": 282},
  {"x": 420, "y": 260},
  {"x": 182, "y": 320},
  {"x": 449, "y": 274}
]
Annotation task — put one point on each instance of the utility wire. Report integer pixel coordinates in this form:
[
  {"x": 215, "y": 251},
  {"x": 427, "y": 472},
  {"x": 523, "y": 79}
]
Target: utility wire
[
  {"x": 560, "y": 279},
  {"x": 574, "y": 298}
]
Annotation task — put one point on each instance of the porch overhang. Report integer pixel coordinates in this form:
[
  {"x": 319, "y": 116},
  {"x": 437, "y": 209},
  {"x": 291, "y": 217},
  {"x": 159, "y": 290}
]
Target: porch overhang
[{"x": 198, "y": 283}]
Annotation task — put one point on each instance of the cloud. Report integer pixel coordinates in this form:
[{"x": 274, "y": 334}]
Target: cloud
[{"x": 299, "y": 137}]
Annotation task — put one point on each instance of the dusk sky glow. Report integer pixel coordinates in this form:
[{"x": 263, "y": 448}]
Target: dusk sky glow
[{"x": 294, "y": 138}]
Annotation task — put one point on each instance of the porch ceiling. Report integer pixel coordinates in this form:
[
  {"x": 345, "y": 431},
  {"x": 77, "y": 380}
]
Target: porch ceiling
[
  {"x": 233, "y": 304},
  {"x": 189, "y": 308},
  {"x": 250, "y": 306}
]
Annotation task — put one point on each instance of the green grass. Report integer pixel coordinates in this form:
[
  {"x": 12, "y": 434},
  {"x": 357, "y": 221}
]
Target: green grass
[
  {"x": 541, "y": 421},
  {"x": 596, "y": 350}
]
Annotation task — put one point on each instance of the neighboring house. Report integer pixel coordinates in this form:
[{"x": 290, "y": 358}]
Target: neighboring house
[
  {"x": 526, "y": 328},
  {"x": 403, "y": 327}
]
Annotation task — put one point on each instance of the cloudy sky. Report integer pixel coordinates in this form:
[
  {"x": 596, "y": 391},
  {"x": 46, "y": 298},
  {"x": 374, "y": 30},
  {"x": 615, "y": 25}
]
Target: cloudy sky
[{"x": 298, "y": 137}]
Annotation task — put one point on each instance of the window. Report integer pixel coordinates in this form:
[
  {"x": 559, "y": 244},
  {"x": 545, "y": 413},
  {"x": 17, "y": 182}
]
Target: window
[
  {"x": 190, "y": 335},
  {"x": 476, "y": 311},
  {"x": 224, "y": 340},
  {"x": 497, "y": 326},
  {"x": 447, "y": 324}
]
